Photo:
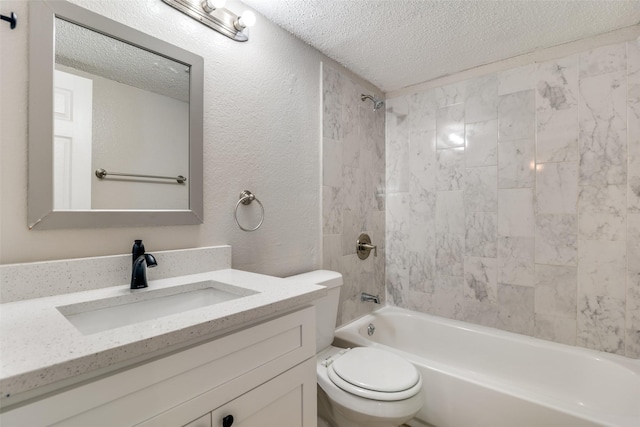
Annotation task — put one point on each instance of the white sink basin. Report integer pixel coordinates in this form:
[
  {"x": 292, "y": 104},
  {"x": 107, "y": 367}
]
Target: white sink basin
[{"x": 139, "y": 306}]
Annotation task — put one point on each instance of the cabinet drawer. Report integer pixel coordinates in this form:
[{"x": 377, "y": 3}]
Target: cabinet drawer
[{"x": 131, "y": 396}]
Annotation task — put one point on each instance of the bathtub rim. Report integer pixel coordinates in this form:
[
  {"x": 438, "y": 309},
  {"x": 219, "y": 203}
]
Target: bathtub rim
[{"x": 633, "y": 365}]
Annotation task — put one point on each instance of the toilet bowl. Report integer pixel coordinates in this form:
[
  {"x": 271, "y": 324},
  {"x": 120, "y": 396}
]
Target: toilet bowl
[
  {"x": 387, "y": 396},
  {"x": 361, "y": 386}
]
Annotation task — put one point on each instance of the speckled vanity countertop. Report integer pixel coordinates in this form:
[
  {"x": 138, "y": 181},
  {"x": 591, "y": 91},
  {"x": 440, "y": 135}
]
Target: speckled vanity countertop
[{"x": 40, "y": 347}]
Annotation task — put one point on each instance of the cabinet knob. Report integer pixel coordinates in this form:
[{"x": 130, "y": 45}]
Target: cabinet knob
[{"x": 227, "y": 421}]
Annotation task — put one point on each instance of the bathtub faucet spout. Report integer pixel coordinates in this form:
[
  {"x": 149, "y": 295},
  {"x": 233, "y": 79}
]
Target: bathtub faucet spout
[{"x": 368, "y": 297}]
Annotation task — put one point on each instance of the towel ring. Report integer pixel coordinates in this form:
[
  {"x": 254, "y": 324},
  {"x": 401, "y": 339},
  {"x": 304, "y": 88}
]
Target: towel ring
[{"x": 246, "y": 197}]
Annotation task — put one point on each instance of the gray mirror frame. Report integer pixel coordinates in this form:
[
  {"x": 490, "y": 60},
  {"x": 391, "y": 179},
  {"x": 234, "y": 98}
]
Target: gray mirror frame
[{"x": 41, "y": 214}]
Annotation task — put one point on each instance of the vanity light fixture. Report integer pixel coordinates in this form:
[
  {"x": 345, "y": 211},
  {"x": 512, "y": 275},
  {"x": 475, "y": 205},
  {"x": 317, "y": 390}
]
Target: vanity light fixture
[
  {"x": 211, "y": 5},
  {"x": 213, "y": 14}
]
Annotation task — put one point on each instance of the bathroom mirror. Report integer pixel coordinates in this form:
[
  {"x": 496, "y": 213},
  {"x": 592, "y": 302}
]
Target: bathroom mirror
[{"x": 115, "y": 124}]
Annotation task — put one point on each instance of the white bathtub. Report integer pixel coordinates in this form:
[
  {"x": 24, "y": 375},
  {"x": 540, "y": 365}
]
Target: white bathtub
[{"x": 481, "y": 377}]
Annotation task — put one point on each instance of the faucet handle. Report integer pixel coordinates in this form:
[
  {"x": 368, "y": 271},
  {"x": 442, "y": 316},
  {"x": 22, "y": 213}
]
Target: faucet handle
[
  {"x": 364, "y": 246},
  {"x": 137, "y": 249},
  {"x": 368, "y": 247}
]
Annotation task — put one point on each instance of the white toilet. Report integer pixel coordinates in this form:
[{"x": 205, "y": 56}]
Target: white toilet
[{"x": 362, "y": 386}]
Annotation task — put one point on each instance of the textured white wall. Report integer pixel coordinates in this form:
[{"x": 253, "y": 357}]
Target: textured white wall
[{"x": 262, "y": 130}]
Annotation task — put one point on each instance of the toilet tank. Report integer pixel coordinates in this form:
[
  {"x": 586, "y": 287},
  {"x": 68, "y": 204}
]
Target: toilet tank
[{"x": 326, "y": 307}]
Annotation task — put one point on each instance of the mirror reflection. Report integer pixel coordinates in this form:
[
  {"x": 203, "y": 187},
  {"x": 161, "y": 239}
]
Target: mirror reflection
[{"x": 122, "y": 109}]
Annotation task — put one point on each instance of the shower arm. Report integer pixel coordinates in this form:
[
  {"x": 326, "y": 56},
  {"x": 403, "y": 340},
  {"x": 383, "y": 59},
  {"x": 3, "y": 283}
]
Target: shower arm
[{"x": 377, "y": 103}]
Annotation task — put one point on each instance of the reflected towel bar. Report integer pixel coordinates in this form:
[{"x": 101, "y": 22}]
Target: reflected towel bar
[{"x": 101, "y": 173}]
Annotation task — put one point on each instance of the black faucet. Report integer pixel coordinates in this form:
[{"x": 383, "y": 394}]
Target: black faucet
[{"x": 141, "y": 261}]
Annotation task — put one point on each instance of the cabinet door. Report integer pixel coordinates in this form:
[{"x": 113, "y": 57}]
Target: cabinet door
[
  {"x": 203, "y": 421},
  {"x": 289, "y": 400}
]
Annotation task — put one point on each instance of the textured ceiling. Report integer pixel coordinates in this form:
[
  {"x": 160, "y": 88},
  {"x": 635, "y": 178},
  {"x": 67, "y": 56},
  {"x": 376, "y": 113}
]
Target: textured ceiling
[{"x": 398, "y": 43}]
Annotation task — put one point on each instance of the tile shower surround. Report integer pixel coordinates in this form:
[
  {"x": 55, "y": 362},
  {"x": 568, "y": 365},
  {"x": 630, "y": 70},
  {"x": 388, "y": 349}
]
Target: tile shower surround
[
  {"x": 352, "y": 190},
  {"x": 513, "y": 200}
]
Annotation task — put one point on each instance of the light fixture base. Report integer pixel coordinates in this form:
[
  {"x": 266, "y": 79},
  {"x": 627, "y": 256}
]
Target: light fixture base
[{"x": 221, "y": 20}]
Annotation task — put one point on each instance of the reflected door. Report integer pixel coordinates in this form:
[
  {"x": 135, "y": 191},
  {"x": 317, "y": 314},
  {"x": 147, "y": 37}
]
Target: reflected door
[{"x": 73, "y": 97}]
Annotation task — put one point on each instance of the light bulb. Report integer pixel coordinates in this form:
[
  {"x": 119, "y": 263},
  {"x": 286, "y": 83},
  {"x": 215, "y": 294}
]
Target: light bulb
[
  {"x": 211, "y": 5},
  {"x": 247, "y": 19}
]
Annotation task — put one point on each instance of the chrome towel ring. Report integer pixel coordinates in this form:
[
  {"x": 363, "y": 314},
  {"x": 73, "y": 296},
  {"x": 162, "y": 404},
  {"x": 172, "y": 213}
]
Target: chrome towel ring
[{"x": 246, "y": 197}]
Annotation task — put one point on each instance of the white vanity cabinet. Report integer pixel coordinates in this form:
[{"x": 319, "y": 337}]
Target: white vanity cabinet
[{"x": 263, "y": 376}]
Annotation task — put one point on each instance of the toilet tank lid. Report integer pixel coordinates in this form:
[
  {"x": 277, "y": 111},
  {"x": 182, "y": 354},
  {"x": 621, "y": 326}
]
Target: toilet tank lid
[{"x": 327, "y": 278}]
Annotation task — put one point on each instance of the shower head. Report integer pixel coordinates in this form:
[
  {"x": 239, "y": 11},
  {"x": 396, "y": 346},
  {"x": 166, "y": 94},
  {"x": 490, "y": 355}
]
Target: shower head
[{"x": 377, "y": 103}]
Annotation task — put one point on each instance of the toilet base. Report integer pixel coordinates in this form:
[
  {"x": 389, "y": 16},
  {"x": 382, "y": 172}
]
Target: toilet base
[
  {"x": 322, "y": 422},
  {"x": 336, "y": 415}
]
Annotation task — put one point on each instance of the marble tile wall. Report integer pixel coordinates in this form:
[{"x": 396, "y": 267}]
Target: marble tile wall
[
  {"x": 513, "y": 200},
  {"x": 353, "y": 170}
]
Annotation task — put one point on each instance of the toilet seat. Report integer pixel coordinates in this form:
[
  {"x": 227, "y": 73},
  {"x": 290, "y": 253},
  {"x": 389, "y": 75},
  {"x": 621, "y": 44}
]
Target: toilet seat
[{"x": 374, "y": 374}]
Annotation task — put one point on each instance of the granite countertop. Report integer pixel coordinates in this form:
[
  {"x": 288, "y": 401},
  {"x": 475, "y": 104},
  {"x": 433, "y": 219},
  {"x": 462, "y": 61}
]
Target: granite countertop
[{"x": 40, "y": 347}]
